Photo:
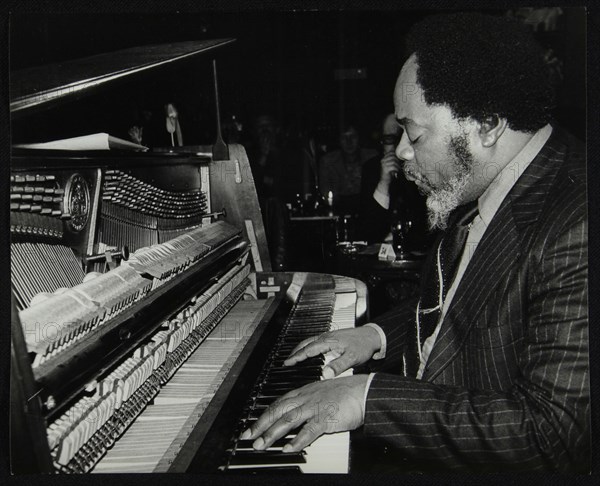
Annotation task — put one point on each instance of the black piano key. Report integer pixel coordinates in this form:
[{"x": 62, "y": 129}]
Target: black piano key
[
  {"x": 286, "y": 380},
  {"x": 265, "y": 470},
  {"x": 256, "y": 413},
  {"x": 311, "y": 373},
  {"x": 278, "y": 392},
  {"x": 315, "y": 361},
  {"x": 271, "y": 395},
  {"x": 247, "y": 458},
  {"x": 274, "y": 386},
  {"x": 247, "y": 422},
  {"x": 310, "y": 323},
  {"x": 282, "y": 368},
  {"x": 247, "y": 443},
  {"x": 311, "y": 320},
  {"x": 262, "y": 402},
  {"x": 255, "y": 409}
]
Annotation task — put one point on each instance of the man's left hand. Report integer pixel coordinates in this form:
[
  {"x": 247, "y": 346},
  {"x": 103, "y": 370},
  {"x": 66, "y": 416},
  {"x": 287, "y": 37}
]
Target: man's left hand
[{"x": 323, "y": 407}]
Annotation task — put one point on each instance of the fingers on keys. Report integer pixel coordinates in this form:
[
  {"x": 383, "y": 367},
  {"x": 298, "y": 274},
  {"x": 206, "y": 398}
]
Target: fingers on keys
[
  {"x": 277, "y": 421},
  {"x": 311, "y": 431},
  {"x": 308, "y": 349},
  {"x": 337, "y": 366}
]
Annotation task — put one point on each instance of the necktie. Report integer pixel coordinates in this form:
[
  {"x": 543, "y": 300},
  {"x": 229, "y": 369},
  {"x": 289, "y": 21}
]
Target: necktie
[{"x": 437, "y": 281}]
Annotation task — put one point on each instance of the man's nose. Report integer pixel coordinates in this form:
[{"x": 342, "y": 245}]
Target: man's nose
[{"x": 404, "y": 150}]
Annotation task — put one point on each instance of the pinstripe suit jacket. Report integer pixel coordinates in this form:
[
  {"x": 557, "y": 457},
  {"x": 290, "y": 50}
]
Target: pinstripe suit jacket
[{"x": 507, "y": 383}]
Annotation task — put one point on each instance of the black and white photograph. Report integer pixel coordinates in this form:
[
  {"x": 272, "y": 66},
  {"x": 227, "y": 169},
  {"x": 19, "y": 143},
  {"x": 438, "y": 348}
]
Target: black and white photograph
[{"x": 346, "y": 241}]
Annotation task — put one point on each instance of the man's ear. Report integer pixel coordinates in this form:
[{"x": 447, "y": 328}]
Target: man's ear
[{"x": 491, "y": 129}]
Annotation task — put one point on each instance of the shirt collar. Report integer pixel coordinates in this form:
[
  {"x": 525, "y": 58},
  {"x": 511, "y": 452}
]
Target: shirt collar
[{"x": 489, "y": 202}]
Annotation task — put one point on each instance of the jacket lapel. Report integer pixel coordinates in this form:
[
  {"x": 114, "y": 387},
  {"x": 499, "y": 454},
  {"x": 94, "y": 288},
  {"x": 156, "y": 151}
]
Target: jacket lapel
[{"x": 497, "y": 252}]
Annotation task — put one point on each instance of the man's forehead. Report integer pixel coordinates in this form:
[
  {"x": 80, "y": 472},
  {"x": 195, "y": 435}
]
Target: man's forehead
[
  {"x": 410, "y": 106},
  {"x": 408, "y": 95}
]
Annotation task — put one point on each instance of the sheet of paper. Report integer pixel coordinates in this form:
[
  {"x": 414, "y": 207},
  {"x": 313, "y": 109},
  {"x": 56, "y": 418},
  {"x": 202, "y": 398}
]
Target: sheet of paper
[{"x": 96, "y": 141}]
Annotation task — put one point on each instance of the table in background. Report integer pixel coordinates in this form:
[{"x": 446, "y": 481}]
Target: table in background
[{"x": 390, "y": 282}]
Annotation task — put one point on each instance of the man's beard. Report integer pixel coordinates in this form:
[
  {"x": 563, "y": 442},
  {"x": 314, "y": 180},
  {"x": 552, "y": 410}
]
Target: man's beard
[{"x": 441, "y": 201}]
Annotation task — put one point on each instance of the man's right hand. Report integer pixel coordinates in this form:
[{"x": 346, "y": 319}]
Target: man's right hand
[
  {"x": 351, "y": 347},
  {"x": 390, "y": 165}
]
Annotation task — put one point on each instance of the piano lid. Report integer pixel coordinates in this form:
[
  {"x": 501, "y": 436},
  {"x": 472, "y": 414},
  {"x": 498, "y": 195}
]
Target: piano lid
[{"x": 40, "y": 85}]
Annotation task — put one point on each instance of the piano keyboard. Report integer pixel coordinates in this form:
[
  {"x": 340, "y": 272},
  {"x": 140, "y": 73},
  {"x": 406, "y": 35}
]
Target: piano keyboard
[
  {"x": 181, "y": 403},
  {"x": 317, "y": 311}
]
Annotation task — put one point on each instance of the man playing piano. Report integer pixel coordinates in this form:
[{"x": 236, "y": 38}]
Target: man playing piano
[{"x": 488, "y": 370}]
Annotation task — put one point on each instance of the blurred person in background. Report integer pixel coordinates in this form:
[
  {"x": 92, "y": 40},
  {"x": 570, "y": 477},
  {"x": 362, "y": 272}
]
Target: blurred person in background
[{"x": 340, "y": 170}]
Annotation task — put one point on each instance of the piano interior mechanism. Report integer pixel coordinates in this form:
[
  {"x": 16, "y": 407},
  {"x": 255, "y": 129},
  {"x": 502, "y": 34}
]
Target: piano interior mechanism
[{"x": 147, "y": 327}]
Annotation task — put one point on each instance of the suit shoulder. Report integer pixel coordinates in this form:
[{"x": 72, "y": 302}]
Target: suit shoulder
[
  {"x": 553, "y": 192},
  {"x": 573, "y": 169},
  {"x": 566, "y": 201},
  {"x": 571, "y": 178}
]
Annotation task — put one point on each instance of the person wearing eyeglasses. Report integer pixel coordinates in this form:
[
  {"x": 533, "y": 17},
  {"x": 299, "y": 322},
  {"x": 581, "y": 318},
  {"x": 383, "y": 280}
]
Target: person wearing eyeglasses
[{"x": 386, "y": 194}]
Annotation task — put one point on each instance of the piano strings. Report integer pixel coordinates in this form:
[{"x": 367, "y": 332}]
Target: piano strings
[
  {"x": 81, "y": 436},
  {"x": 183, "y": 400},
  {"x": 42, "y": 268}
]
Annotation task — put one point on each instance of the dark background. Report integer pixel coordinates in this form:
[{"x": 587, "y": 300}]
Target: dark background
[{"x": 283, "y": 63}]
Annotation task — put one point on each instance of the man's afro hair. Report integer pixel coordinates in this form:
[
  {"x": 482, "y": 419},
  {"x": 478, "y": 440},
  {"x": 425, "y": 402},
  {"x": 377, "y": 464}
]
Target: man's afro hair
[{"x": 483, "y": 65}]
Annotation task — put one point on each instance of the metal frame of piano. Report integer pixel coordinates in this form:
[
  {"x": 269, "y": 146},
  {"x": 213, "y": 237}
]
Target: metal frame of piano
[{"x": 89, "y": 355}]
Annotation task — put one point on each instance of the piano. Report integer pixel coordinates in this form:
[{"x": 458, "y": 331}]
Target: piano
[{"x": 147, "y": 328}]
